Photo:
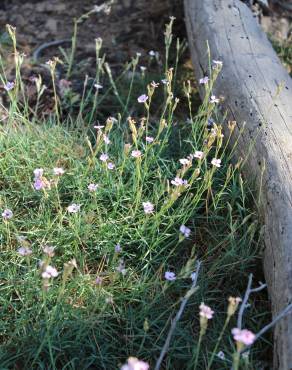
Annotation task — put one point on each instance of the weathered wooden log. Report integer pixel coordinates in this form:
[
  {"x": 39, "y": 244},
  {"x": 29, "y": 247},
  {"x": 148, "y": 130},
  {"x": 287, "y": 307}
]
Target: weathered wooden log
[{"x": 258, "y": 92}]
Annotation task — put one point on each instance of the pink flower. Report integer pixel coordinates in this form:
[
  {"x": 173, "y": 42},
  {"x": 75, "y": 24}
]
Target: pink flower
[
  {"x": 142, "y": 98},
  {"x": 58, "y": 171},
  {"x": 49, "y": 250},
  {"x": 92, "y": 187},
  {"x": 243, "y": 336},
  {"x": 154, "y": 84},
  {"x": 103, "y": 157},
  {"x": 110, "y": 166},
  {"x": 24, "y": 251},
  {"x": 134, "y": 364},
  {"x": 149, "y": 139},
  {"x": 204, "y": 80},
  {"x": 170, "y": 276},
  {"x": 7, "y": 214},
  {"x": 136, "y": 153},
  {"x": 198, "y": 154},
  {"x": 98, "y": 280},
  {"x": 49, "y": 272},
  {"x": 185, "y": 231},
  {"x": 73, "y": 208},
  {"x": 184, "y": 161},
  {"x": 216, "y": 162},
  {"x": 214, "y": 100},
  {"x": 205, "y": 311},
  {"x": 148, "y": 207},
  {"x": 179, "y": 182}
]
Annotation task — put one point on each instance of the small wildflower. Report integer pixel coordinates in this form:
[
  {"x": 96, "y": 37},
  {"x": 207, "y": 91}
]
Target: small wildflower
[
  {"x": 98, "y": 127},
  {"x": 73, "y": 208},
  {"x": 165, "y": 81},
  {"x": 38, "y": 172},
  {"x": 185, "y": 231},
  {"x": 243, "y": 336},
  {"x": 24, "y": 251},
  {"x": 38, "y": 184},
  {"x": 121, "y": 267},
  {"x": 136, "y": 153},
  {"x": 143, "y": 69},
  {"x": 206, "y": 312},
  {"x": 58, "y": 171},
  {"x": 148, "y": 207},
  {"x": 214, "y": 100},
  {"x": 194, "y": 276},
  {"x": 49, "y": 250},
  {"x": 179, "y": 182},
  {"x": 198, "y": 154},
  {"x": 170, "y": 276},
  {"x": 218, "y": 63},
  {"x": 154, "y": 84},
  {"x": 103, "y": 157},
  {"x": 92, "y": 187},
  {"x": 232, "y": 306},
  {"x": 118, "y": 248},
  {"x": 49, "y": 272},
  {"x": 221, "y": 355},
  {"x": 149, "y": 139},
  {"x": 9, "y": 86},
  {"x": 216, "y": 162},
  {"x": 7, "y": 214},
  {"x": 110, "y": 166},
  {"x": 106, "y": 139},
  {"x": 98, "y": 280},
  {"x": 185, "y": 161},
  {"x": 204, "y": 80},
  {"x": 142, "y": 98},
  {"x": 138, "y": 54},
  {"x": 152, "y": 53},
  {"x": 98, "y": 86},
  {"x": 134, "y": 364}
]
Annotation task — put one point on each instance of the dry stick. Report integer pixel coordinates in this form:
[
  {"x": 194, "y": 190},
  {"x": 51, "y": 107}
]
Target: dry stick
[
  {"x": 187, "y": 296},
  {"x": 281, "y": 315},
  {"x": 248, "y": 292}
]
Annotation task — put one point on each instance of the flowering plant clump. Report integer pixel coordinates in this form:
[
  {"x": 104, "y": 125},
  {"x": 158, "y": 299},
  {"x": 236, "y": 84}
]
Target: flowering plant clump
[{"x": 106, "y": 220}]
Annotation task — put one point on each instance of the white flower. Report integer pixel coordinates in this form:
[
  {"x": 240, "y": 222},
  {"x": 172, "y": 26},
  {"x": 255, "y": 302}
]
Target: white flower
[
  {"x": 185, "y": 231},
  {"x": 154, "y": 84},
  {"x": 49, "y": 272},
  {"x": 49, "y": 250},
  {"x": 142, "y": 98},
  {"x": 179, "y": 182},
  {"x": 7, "y": 214},
  {"x": 152, "y": 53},
  {"x": 185, "y": 161},
  {"x": 165, "y": 81},
  {"x": 99, "y": 127},
  {"x": 110, "y": 166},
  {"x": 103, "y": 157},
  {"x": 149, "y": 139},
  {"x": 106, "y": 139},
  {"x": 214, "y": 100},
  {"x": 198, "y": 154},
  {"x": 142, "y": 68},
  {"x": 148, "y": 207},
  {"x": 218, "y": 63},
  {"x": 216, "y": 162},
  {"x": 221, "y": 355},
  {"x": 136, "y": 153},
  {"x": 204, "y": 80},
  {"x": 98, "y": 86},
  {"x": 92, "y": 187},
  {"x": 170, "y": 276},
  {"x": 58, "y": 171},
  {"x": 24, "y": 251},
  {"x": 73, "y": 208}
]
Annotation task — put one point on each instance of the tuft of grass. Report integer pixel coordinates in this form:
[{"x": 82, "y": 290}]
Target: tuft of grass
[{"x": 108, "y": 304}]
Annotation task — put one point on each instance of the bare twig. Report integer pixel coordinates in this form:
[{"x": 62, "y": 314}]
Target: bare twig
[
  {"x": 187, "y": 296},
  {"x": 248, "y": 292},
  {"x": 280, "y": 316}
]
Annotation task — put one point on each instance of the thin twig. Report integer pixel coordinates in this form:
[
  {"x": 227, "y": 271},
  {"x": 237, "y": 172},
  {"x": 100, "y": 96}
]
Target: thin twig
[
  {"x": 187, "y": 296},
  {"x": 248, "y": 292},
  {"x": 282, "y": 314}
]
